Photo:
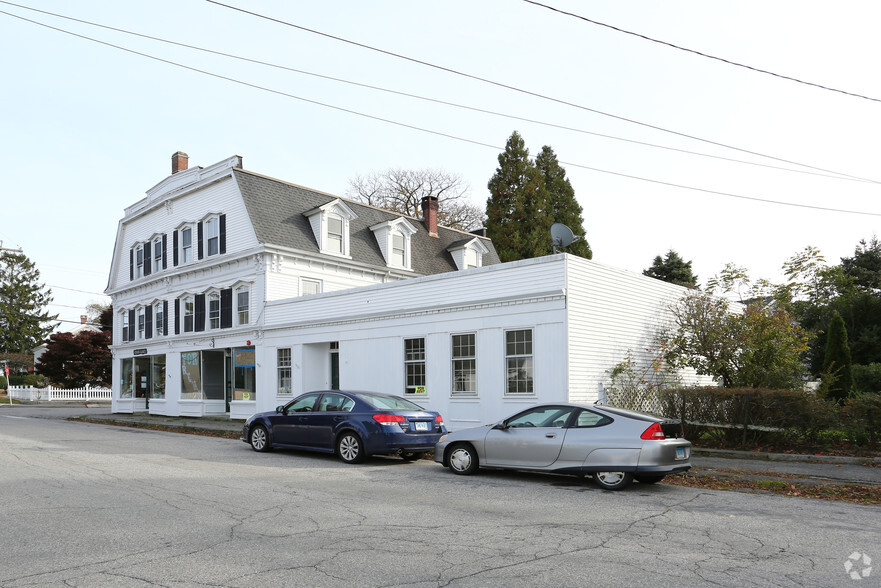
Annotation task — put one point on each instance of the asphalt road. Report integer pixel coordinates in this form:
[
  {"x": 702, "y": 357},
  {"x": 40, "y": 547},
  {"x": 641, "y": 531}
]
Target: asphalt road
[{"x": 94, "y": 505}]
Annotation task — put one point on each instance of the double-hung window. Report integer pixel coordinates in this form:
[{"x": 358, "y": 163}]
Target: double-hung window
[
  {"x": 159, "y": 319},
  {"x": 212, "y": 236},
  {"x": 518, "y": 360},
  {"x": 464, "y": 364},
  {"x": 142, "y": 323},
  {"x": 243, "y": 305},
  {"x": 334, "y": 234},
  {"x": 157, "y": 255},
  {"x": 186, "y": 246},
  {"x": 125, "y": 326},
  {"x": 284, "y": 371},
  {"x": 214, "y": 311},
  {"x": 139, "y": 262},
  {"x": 414, "y": 364},
  {"x": 189, "y": 314},
  {"x": 399, "y": 250}
]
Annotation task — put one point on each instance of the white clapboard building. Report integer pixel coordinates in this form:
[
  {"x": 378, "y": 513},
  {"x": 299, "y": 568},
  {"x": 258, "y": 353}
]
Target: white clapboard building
[{"x": 234, "y": 292}]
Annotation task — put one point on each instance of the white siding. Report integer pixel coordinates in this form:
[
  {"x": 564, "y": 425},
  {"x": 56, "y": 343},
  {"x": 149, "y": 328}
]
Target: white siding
[{"x": 611, "y": 311}]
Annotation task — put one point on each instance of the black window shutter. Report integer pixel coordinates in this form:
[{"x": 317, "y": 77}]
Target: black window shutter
[
  {"x": 199, "y": 239},
  {"x": 200, "y": 312},
  {"x": 131, "y": 264},
  {"x": 148, "y": 257},
  {"x": 165, "y": 317},
  {"x": 176, "y": 314},
  {"x": 164, "y": 251},
  {"x": 226, "y": 308},
  {"x": 223, "y": 236},
  {"x": 131, "y": 325},
  {"x": 148, "y": 322},
  {"x": 174, "y": 248}
]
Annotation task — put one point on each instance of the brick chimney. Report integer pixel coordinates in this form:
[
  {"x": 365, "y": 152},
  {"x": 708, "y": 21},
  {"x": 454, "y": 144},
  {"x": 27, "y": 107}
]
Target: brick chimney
[
  {"x": 429, "y": 214},
  {"x": 83, "y": 319},
  {"x": 179, "y": 162}
]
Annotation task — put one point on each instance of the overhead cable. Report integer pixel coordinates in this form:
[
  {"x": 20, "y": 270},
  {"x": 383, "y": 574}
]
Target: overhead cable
[
  {"x": 521, "y": 90},
  {"x": 442, "y": 102},
  {"x": 722, "y": 59},
  {"x": 421, "y": 129}
]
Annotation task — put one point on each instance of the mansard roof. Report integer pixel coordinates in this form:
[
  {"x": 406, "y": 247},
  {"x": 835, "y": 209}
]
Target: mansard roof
[{"x": 277, "y": 214}]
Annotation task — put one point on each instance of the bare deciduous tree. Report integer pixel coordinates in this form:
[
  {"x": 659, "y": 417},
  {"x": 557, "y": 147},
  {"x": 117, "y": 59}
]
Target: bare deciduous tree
[{"x": 402, "y": 191}]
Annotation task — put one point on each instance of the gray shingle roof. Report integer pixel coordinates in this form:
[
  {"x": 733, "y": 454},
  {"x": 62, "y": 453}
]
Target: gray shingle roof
[{"x": 276, "y": 209}]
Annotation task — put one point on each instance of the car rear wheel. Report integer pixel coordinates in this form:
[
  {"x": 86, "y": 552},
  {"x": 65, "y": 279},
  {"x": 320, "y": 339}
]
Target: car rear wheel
[
  {"x": 259, "y": 438},
  {"x": 613, "y": 480},
  {"x": 349, "y": 448},
  {"x": 412, "y": 455},
  {"x": 649, "y": 479},
  {"x": 462, "y": 460}
]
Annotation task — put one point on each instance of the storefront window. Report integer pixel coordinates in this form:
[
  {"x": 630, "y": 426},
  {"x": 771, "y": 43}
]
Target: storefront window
[
  {"x": 158, "y": 378},
  {"x": 126, "y": 384},
  {"x": 245, "y": 381},
  {"x": 191, "y": 375}
]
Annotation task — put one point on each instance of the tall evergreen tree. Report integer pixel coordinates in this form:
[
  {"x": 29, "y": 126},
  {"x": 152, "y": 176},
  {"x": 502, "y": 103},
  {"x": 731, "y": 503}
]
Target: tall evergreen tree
[
  {"x": 562, "y": 207},
  {"x": 24, "y": 322},
  {"x": 672, "y": 268},
  {"x": 837, "y": 359},
  {"x": 518, "y": 220}
]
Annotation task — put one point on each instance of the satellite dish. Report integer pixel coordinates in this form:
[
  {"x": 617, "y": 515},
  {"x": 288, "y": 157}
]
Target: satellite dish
[{"x": 562, "y": 236}]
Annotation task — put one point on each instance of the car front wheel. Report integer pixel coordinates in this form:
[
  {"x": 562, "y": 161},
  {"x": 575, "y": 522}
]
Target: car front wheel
[
  {"x": 349, "y": 448},
  {"x": 259, "y": 438},
  {"x": 613, "y": 480},
  {"x": 463, "y": 460}
]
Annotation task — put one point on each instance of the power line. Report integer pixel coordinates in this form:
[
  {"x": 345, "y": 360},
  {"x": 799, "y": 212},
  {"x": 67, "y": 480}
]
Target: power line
[
  {"x": 422, "y": 129},
  {"x": 80, "y": 291},
  {"x": 435, "y": 100},
  {"x": 521, "y": 90},
  {"x": 722, "y": 59}
]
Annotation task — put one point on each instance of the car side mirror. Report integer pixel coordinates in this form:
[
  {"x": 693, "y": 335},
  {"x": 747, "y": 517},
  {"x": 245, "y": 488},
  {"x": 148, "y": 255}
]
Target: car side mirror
[
  {"x": 502, "y": 426},
  {"x": 280, "y": 409}
]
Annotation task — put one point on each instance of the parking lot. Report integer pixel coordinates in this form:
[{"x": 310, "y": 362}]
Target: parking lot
[{"x": 89, "y": 504}]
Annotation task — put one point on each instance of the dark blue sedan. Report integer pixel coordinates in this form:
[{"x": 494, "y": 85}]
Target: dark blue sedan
[{"x": 352, "y": 425}]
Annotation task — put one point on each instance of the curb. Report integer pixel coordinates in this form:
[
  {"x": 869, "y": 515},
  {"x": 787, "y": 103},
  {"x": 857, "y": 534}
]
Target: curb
[{"x": 762, "y": 455}]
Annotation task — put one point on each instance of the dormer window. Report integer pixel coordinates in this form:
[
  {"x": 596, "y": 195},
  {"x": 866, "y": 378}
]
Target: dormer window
[
  {"x": 399, "y": 251},
  {"x": 330, "y": 225},
  {"x": 468, "y": 253},
  {"x": 335, "y": 234},
  {"x": 394, "y": 238}
]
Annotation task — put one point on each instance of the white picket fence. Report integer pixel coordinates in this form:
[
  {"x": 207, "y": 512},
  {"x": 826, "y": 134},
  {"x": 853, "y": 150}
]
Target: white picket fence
[{"x": 50, "y": 393}]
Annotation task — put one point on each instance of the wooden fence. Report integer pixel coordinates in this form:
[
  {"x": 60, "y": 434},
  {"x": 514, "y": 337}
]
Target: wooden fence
[{"x": 50, "y": 393}]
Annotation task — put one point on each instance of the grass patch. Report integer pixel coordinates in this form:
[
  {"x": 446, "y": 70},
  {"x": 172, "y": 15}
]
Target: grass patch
[
  {"x": 855, "y": 493},
  {"x": 159, "y": 427}
]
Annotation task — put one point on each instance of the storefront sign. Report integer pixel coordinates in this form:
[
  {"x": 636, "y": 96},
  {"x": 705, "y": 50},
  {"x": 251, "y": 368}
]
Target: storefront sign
[
  {"x": 139, "y": 352},
  {"x": 244, "y": 357}
]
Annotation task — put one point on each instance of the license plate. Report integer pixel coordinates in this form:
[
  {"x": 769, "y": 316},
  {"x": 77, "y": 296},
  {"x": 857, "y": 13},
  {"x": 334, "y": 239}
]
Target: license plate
[
  {"x": 421, "y": 426},
  {"x": 680, "y": 453}
]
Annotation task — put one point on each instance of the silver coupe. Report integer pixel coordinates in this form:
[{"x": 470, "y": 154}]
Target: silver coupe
[{"x": 613, "y": 445}]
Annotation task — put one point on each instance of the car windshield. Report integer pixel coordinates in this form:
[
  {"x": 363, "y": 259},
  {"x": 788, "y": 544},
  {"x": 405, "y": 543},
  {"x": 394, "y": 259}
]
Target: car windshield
[{"x": 384, "y": 402}]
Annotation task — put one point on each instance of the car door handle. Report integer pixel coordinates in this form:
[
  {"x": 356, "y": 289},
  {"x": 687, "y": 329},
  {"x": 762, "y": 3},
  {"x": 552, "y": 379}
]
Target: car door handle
[
  {"x": 337, "y": 418},
  {"x": 551, "y": 435}
]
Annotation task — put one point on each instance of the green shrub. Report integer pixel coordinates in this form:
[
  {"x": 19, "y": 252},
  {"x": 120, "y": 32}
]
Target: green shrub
[{"x": 867, "y": 378}]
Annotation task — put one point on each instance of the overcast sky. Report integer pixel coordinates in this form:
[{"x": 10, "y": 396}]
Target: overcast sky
[{"x": 87, "y": 128}]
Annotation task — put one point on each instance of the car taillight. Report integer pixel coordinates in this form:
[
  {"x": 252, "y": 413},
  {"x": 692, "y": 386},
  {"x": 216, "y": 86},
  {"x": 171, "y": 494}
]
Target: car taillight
[
  {"x": 439, "y": 420},
  {"x": 389, "y": 420},
  {"x": 653, "y": 432}
]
